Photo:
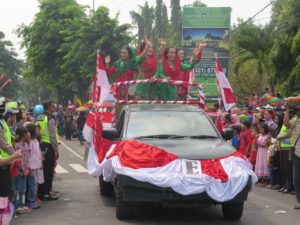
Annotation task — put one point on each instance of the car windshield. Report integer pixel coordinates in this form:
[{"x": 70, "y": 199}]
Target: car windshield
[{"x": 163, "y": 124}]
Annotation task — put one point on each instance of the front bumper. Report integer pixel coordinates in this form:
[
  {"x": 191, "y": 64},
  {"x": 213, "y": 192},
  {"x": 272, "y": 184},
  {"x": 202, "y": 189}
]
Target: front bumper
[{"x": 141, "y": 192}]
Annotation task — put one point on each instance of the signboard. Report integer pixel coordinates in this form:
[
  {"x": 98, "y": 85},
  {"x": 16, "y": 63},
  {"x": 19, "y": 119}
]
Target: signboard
[
  {"x": 211, "y": 25},
  {"x": 206, "y": 17}
]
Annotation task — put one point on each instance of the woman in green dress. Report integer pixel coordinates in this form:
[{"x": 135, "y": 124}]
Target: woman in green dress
[
  {"x": 169, "y": 67},
  {"x": 147, "y": 70},
  {"x": 125, "y": 69}
]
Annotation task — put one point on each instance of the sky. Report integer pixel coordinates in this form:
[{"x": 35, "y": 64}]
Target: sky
[{"x": 16, "y": 12}]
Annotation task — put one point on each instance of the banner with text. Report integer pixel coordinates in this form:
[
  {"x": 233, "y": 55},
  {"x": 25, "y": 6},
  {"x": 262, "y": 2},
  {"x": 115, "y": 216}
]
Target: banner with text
[{"x": 211, "y": 25}]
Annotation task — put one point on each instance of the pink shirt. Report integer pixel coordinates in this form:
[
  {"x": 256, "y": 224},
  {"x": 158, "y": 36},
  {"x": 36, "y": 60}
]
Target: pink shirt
[
  {"x": 24, "y": 147},
  {"x": 35, "y": 159}
]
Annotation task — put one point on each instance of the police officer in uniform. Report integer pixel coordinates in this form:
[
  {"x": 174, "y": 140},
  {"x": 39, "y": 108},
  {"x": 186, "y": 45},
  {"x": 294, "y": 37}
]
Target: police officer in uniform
[
  {"x": 47, "y": 126},
  {"x": 6, "y": 151},
  {"x": 285, "y": 144}
]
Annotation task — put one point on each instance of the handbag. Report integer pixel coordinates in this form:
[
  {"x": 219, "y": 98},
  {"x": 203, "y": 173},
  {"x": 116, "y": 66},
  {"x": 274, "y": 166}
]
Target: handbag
[{"x": 293, "y": 148}]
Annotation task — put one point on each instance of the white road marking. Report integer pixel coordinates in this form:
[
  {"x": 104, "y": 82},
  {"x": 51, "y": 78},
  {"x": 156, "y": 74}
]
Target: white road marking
[
  {"x": 60, "y": 169},
  {"x": 78, "y": 168},
  {"x": 69, "y": 149}
]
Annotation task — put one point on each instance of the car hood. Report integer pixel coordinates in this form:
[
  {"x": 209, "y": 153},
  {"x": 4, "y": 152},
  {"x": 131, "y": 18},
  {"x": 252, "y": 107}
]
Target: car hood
[{"x": 193, "y": 148}]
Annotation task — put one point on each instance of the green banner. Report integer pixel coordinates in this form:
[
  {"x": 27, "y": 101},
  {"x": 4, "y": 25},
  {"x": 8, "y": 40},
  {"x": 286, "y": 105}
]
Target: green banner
[
  {"x": 210, "y": 25},
  {"x": 206, "y": 17}
]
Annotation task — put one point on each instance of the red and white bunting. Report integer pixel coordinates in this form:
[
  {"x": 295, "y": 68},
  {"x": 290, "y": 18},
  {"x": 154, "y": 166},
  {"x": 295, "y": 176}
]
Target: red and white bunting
[
  {"x": 222, "y": 179},
  {"x": 224, "y": 87},
  {"x": 157, "y": 80}
]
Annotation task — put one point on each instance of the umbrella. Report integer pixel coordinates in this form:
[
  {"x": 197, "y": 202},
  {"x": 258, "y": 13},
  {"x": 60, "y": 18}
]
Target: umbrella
[
  {"x": 82, "y": 108},
  {"x": 72, "y": 107}
]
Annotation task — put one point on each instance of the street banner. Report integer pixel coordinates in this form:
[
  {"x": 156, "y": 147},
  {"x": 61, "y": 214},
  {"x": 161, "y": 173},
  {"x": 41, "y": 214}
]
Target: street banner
[{"x": 211, "y": 25}]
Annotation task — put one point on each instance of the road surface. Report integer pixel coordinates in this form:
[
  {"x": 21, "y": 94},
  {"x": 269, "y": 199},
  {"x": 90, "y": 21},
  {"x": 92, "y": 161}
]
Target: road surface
[{"x": 81, "y": 204}]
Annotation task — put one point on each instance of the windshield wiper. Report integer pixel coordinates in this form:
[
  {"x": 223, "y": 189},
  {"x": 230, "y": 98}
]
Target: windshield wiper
[
  {"x": 203, "y": 136},
  {"x": 162, "y": 136}
]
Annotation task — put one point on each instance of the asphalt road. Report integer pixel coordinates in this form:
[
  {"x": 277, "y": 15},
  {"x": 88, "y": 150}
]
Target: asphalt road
[{"x": 81, "y": 204}]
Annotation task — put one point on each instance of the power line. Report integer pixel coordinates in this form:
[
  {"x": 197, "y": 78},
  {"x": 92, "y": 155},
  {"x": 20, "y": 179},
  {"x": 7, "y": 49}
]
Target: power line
[{"x": 251, "y": 18}]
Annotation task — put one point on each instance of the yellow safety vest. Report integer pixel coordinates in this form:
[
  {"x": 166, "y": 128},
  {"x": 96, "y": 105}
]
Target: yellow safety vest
[
  {"x": 42, "y": 121},
  {"x": 285, "y": 143},
  {"x": 8, "y": 136}
]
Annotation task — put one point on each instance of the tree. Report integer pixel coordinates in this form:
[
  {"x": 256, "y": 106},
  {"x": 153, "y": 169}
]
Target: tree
[
  {"x": 165, "y": 22},
  {"x": 148, "y": 16},
  {"x": 252, "y": 44},
  {"x": 62, "y": 42},
  {"x": 158, "y": 19},
  {"x": 10, "y": 67},
  {"x": 176, "y": 22},
  {"x": 285, "y": 52},
  {"x": 43, "y": 39},
  {"x": 138, "y": 19},
  {"x": 144, "y": 20},
  {"x": 81, "y": 44},
  {"x": 198, "y": 3}
]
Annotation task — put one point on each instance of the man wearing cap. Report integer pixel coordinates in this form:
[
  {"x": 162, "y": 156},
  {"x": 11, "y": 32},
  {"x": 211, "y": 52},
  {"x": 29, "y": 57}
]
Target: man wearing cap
[
  {"x": 294, "y": 124},
  {"x": 49, "y": 149}
]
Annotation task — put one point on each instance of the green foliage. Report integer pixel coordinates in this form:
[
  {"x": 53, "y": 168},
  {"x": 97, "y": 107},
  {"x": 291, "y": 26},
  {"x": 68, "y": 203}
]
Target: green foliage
[
  {"x": 196, "y": 3},
  {"x": 275, "y": 47},
  {"x": 144, "y": 20},
  {"x": 254, "y": 42},
  {"x": 10, "y": 67},
  {"x": 158, "y": 19},
  {"x": 165, "y": 22},
  {"x": 176, "y": 23},
  {"x": 62, "y": 42}
]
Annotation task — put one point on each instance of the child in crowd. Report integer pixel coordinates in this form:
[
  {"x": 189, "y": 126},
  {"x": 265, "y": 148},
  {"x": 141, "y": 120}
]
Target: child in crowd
[
  {"x": 22, "y": 143},
  {"x": 261, "y": 167},
  {"x": 235, "y": 141},
  {"x": 255, "y": 135},
  {"x": 35, "y": 162},
  {"x": 245, "y": 138}
]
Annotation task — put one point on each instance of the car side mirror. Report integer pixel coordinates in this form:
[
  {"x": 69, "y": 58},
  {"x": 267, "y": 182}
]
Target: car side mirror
[
  {"x": 227, "y": 134},
  {"x": 110, "y": 134}
]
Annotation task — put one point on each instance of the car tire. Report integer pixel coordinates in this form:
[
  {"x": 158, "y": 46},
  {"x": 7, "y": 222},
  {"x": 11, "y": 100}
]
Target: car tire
[
  {"x": 233, "y": 211},
  {"x": 123, "y": 209},
  {"x": 106, "y": 188}
]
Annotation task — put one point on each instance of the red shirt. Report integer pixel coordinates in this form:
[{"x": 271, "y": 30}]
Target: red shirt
[{"x": 245, "y": 139}]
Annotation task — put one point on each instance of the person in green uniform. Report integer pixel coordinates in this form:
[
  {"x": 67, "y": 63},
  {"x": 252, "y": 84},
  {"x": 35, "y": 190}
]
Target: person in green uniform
[{"x": 49, "y": 148}]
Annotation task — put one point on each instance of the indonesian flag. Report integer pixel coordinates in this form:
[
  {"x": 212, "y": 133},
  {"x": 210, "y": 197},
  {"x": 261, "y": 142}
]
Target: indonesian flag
[
  {"x": 222, "y": 179},
  {"x": 224, "y": 87},
  {"x": 101, "y": 86},
  {"x": 201, "y": 97}
]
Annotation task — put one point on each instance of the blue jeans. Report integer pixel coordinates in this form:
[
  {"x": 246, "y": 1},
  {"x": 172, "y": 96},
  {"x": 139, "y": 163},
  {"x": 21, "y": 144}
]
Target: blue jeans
[
  {"x": 21, "y": 191},
  {"x": 272, "y": 175},
  {"x": 31, "y": 184},
  {"x": 61, "y": 129},
  {"x": 80, "y": 136},
  {"x": 296, "y": 170}
]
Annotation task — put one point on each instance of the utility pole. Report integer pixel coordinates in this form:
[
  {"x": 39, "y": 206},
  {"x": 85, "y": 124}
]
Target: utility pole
[{"x": 93, "y": 5}]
